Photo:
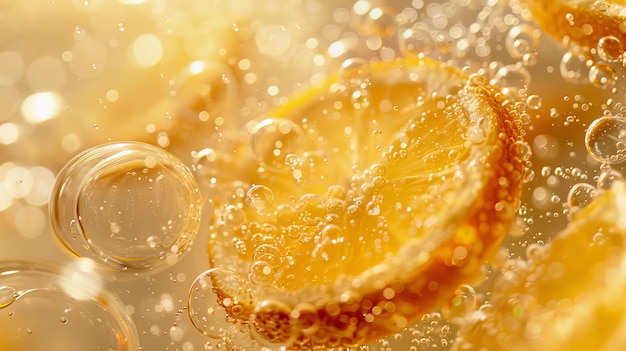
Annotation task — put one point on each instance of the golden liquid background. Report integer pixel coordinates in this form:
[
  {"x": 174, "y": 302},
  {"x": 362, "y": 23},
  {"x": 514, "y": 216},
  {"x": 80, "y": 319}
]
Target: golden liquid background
[{"x": 49, "y": 28}]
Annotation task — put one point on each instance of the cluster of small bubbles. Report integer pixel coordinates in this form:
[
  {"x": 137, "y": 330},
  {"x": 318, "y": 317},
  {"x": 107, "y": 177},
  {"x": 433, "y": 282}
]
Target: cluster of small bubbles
[
  {"x": 605, "y": 139},
  {"x": 580, "y": 196},
  {"x": 430, "y": 332},
  {"x": 522, "y": 42}
]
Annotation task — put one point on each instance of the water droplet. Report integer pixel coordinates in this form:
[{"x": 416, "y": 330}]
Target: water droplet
[
  {"x": 260, "y": 197},
  {"x": 606, "y": 139}
]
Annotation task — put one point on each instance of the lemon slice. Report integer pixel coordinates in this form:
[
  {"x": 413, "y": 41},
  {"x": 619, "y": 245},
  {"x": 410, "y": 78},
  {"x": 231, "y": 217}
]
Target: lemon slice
[
  {"x": 569, "y": 295},
  {"x": 363, "y": 204},
  {"x": 584, "y": 22}
]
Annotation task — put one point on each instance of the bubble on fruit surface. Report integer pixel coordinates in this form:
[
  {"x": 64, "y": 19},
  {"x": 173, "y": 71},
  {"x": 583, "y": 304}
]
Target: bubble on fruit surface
[
  {"x": 416, "y": 41},
  {"x": 260, "y": 197},
  {"x": 610, "y": 49},
  {"x": 522, "y": 40},
  {"x": 203, "y": 90},
  {"x": 605, "y": 139},
  {"x": 574, "y": 66},
  {"x": 43, "y": 312},
  {"x": 355, "y": 72},
  {"x": 602, "y": 75},
  {"x": 129, "y": 206},
  {"x": 272, "y": 139},
  {"x": 218, "y": 301}
]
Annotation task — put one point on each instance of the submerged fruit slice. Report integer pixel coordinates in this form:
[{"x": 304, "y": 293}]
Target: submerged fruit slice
[
  {"x": 363, "y": 204},
  {"x": 569, "y": 295},
  {"x": 583, "y": 22}
]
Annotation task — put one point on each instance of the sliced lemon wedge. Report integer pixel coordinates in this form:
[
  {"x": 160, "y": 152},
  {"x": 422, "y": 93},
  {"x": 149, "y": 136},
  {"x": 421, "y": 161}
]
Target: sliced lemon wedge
[
  {"x": 568, "y": 295},
  {"x": 364, "y": 203},
  {"x": 583, "y": 22}
]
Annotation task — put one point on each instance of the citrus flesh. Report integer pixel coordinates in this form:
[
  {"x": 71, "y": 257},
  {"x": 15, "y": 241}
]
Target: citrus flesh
[
  {"x": 568, "y": 295},
  {"x": 582, "y": 22},
  {"x": 364, "y": 203}
]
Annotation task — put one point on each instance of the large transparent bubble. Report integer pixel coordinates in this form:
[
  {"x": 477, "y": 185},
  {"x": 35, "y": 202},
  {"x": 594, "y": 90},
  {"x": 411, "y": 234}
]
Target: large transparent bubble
[
  {"x": 48, "y": 308},
  {"x": 130, "y": 206}
]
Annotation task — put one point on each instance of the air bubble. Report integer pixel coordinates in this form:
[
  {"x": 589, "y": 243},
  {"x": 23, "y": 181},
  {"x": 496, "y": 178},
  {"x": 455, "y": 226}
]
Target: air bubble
[
  {"x": 218, "y": 301},
  {"x": 260, "y": 197},
  {"x": 310, "y": 209},
  {"x": 521, "y": 40},
  {"x": 262, "y": 273},
  {"x": 608, "y": 178},
  {"x": 464, "y": 301},
  {"x": 602, "y": 75},
  {"x": 108, "y": 198},
  {"x": 273, "y": 139},
  {"x": 204, "y": 86},
  {"x": 416, "y": 41},
  {"x": 379, "y": 22},
  {"x": 610, "y": 49},
  {"x": 7, "y": 296},
  {"x": 355, "y": 73},
  {"x": 580, "y": 196},
  {"x": 606, "y": 139},
  {"x": 45, "y": 297},
  {"x": 575, "y": 65}
]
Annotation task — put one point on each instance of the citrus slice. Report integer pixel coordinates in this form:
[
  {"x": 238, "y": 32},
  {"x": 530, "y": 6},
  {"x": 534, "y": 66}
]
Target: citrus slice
[
  {"x": 584, "y": 22},
  {"x": 364, "y": 203},
  {"x": 570, "y": 293}
]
